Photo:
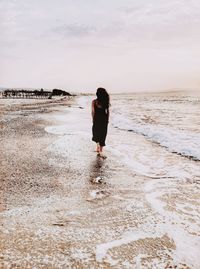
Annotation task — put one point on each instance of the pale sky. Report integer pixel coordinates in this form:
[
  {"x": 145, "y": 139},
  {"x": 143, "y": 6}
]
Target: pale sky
[{"x": 122, "y": 45}]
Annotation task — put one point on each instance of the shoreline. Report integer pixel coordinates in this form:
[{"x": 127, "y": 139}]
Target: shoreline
[
  {"x": 60, "y": 215},
  {"x": 22, "y": 132}
]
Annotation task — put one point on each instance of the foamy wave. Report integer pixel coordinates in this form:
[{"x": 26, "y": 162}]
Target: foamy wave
[{"x": 185, "y": 143}]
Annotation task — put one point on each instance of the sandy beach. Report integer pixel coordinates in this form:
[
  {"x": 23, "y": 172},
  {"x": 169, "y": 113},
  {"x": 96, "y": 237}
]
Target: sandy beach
[{"x": 64, "y": 207}]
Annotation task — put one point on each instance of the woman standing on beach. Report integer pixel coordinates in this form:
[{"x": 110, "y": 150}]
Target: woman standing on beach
[{"x": 100, "y": 116}]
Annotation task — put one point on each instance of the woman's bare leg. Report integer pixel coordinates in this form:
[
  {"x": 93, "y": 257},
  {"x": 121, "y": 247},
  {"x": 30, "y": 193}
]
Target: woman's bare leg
[{"x": 98, "y": 147}]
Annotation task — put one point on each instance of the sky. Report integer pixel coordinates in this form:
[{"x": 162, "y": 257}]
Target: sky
[{"x": 79, "y": 45}]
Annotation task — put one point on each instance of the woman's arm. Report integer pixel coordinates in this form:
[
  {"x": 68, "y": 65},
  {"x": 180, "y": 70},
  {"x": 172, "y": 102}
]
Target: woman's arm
[{"x": 93, "y": 110}]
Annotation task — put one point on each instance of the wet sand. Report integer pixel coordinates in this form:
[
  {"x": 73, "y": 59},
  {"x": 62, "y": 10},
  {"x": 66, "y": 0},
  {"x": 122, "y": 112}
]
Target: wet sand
[{"x": 63, "y": 207}]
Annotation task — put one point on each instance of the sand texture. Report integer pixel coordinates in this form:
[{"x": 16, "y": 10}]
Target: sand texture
[{"x": 64, "y": 207}]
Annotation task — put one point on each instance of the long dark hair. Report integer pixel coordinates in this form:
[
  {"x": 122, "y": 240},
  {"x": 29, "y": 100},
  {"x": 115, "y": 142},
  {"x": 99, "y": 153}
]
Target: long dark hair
[{"x": 103, "y": 98}]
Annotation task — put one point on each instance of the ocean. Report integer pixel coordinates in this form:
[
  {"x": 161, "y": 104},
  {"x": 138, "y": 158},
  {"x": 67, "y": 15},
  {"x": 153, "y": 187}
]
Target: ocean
[
  {"x": 137, "y": 208},
  {"x": 171, "y": 120},
  {"x": 151, "y": 176},
  {"x": 156, "y": 134}
]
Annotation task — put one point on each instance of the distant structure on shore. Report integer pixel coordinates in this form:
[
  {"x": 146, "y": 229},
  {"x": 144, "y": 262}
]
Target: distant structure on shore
[
  {"x": 58, "y": 92},
  {"x": 32, "y": 94}
]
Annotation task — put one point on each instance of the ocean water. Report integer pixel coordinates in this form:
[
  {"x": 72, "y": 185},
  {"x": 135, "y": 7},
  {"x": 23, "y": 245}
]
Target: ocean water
[
  {"x": 157, "y": 136},
  {"x": 153, "y": 152},
  {"x": 146, "y": 211},
  {"x": 171, "y": 120}
]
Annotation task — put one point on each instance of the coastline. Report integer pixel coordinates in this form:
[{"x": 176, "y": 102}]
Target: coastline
[
  {"x": 23, "y": 141},
  {"x": 55, "y": 214}
]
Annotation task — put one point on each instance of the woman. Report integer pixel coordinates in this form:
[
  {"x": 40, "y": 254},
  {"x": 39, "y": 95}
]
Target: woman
[{"x": 100, "y": 116}]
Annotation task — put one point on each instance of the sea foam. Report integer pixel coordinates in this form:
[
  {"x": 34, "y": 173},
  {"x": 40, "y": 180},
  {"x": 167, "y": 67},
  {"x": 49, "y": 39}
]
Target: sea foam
[{"x": 183, "y": 142}]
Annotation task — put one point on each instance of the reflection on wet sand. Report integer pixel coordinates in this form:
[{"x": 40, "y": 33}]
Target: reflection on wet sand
[
  {"x": 97, "y": 170},
  {"x": 98, "y": 179}
]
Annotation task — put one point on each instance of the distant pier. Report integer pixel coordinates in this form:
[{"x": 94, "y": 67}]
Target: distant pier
[{"x": 28, "y": 94}]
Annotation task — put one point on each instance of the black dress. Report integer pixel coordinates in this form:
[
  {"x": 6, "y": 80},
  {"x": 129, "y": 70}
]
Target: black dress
[{"x": 100, "y": 125}]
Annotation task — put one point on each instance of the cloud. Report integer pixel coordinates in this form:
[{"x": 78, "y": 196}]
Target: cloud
[
  {"x": 122, "y": 36},
  {"x": 138, "y": 22},
  {"x": 74, "y": 30}
]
